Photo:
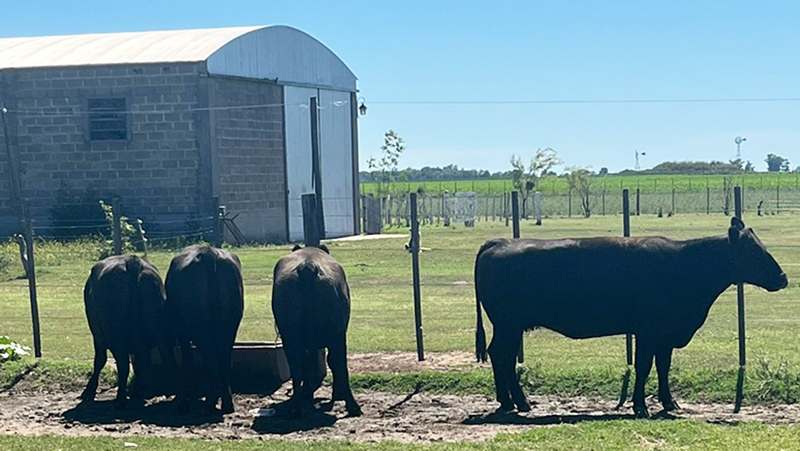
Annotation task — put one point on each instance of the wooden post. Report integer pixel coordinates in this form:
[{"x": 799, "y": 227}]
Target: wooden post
[
  {"x": 220, "y": 226},
  {"x": 316, "y": 166},
  {"x": 708, "y": 200},
  {"x": 638, "y": 210},
  {"x": 515, "y": 231},
  {"x": 505, "y": 207},
  {"x": 737, "y": 200},
  {"x": 626, "y": 232},
  {"x": 140, "y": 229},
  {"x": 778, "y": 197},
  {"x": 604, "y": 201},
  {"x": 673, "y": 201},
  {"x": 569, "y": 203},
  {"x": 37, "y": 337},
  {"x": 310, "y": 228},
  {"x": 13, "y": 169},
  {"x": 116, "y": 229},
  {"x": 414, "y": 248}
]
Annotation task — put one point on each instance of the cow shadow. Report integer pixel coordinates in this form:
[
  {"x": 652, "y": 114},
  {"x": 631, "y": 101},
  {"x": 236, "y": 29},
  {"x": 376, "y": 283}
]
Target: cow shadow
[
  {"x": 513, "y": 418},
  {"x": 282, "y": 422},
  {"x": 163, "y": 413}
]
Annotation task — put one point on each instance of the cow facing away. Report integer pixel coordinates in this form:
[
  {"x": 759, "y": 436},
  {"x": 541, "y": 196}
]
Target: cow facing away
[
  {"x": 124, "y": 299},
  {"x": 657, "y": 289},
  {"x": 311, "y": 304},
  {"x": 205, "y": 301}
]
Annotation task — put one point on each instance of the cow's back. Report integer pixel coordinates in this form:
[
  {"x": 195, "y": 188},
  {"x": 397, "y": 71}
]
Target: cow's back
[
  {"x": 205, "y": 291},
  {"x": 124, "y": 297},
  {"x": 310, "y": 290},
  {"x": 579, "y": 287}
]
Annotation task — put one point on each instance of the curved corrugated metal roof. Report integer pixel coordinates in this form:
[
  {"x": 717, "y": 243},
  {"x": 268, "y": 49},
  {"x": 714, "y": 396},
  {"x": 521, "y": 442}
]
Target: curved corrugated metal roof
[{"x": 116, "y": 48}]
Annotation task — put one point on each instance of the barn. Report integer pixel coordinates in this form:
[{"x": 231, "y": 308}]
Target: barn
[{"x": 174, "y": 122}]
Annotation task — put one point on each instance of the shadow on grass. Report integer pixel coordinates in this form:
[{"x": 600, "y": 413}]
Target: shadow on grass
[
  {"x": 547, "y": 420},
  {"x": 159, "y": 414},
  {"x": 19, "y": 377},
  {"x": 282, "y": 421}
]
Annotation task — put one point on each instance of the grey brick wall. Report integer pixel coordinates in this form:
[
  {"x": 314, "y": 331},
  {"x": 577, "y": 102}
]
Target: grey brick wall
[
  {"x": 155, "y": 173},
  {"x": 250, "y": 167}
]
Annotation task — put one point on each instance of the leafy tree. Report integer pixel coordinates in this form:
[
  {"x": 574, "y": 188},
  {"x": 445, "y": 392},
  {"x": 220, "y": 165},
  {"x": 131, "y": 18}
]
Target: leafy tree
[
  {"x": 603, "y": 172},
  {"x": 580, "y": 181},
  {"x": 776, "y": 163},
  {"x": 524, "y": 178},
  {"x": 391, "y": 149},
  {"x": 749, "y": 167}
]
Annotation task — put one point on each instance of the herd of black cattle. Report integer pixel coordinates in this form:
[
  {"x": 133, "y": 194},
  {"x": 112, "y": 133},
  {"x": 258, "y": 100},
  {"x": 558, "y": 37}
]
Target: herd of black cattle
[{"x": 657, "y": 289}]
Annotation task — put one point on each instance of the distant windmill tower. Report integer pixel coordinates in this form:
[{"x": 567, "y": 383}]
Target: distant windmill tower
[
  {"x": 739, "y": 140},
  {"x": 637, "y": 167}
]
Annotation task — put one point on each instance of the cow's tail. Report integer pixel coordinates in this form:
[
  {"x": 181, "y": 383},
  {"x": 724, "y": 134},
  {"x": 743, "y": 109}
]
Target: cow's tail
[
  {"x": 480, "y": 334},
  {"x": 308, "y": 272}
]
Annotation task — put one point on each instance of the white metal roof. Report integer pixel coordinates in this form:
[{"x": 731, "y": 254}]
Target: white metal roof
[{"x": 275, "y": 52}]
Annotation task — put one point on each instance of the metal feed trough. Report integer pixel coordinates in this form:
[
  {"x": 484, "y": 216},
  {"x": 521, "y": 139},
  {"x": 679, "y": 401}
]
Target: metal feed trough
[{"x": 258, "y": 367}]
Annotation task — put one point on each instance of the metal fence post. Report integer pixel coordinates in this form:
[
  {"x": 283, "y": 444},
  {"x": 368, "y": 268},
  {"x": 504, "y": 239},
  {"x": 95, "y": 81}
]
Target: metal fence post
[
  {"x": 220, "y": 226},
  {"x": 37, "y": 337},
  {"x": 626, "y": 232},
  {"x": 515, "y": 231},
  {"x": 116, "y": 230},
  {"x": 414, "y": 248},
  {"x": 737, "y": 200}
]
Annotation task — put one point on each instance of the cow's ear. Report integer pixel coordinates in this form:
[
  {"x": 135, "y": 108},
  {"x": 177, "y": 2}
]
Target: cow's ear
[
  {"x": 733, "y": 235},
  {"x": 296, "y": 247},
  {"x": 737, "y": 223},
  {"x": 325, "y": 248}
]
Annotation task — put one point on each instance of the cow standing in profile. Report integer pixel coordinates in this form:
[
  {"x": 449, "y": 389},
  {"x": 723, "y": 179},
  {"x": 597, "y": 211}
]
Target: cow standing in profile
[
  {"x": 657, "y": 289},
  {"x": 205, "y": 302},
  {"x": 311, "y": 304},
  {"x": 124, "y": 299}
]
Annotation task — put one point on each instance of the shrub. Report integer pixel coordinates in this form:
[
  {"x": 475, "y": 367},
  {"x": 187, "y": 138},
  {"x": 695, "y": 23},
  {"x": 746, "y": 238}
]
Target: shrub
[{"x": 10, "y": 350}]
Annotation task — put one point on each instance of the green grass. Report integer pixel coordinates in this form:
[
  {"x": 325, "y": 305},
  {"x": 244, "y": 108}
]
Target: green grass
[
  {"x": 382, "y": 320},
  {"x": 645, "y": 182},
  {"x": 588, "y": 435}
]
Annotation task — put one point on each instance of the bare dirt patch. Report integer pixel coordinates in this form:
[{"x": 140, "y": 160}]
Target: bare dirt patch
[
  {"x": 411, "y": 418},
  {"x": 404, "y": 362}
]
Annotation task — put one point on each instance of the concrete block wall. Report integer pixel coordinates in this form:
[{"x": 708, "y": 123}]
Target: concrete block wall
[
  {"x": 155, "y": 171},
  {"x": 249, "y": 149}
]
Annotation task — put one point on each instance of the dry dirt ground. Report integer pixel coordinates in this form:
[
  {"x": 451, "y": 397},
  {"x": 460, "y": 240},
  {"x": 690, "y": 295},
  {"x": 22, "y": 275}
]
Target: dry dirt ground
[{"x": 414, "y": 417}]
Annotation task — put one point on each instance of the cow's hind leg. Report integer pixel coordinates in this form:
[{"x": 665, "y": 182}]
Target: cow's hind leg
[
  {"x": 100, "y": 358},
  {"x": 123, "y": 371},
  {"x": 501, "y": 389},
  {"x": 295, "y": 356},
  {"x": 226, "y": 369},
  {"x": 337, "y": 360},
  {"x": 643, "y": 364},
  {"x": 663, "y": 362},
  {"x": 503, "y": 351}
]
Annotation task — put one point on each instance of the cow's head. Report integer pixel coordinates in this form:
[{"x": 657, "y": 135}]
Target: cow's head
[{"x": 752, "y": 263}]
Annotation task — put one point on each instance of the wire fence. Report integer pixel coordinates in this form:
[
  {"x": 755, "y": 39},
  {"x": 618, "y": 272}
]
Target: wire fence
[{"x": 378, "y": 271}]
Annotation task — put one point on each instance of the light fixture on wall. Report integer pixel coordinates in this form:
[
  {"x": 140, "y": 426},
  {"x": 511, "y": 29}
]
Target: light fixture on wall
[{"x": 362, "y": 109}]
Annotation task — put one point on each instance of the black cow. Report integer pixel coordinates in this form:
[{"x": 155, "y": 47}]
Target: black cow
[
  {"x": 658, "y": 289},
  {"x": 124, "y": 299},
  {"x": 311, "y": 304},
  {"x": 205, "y": 301}
]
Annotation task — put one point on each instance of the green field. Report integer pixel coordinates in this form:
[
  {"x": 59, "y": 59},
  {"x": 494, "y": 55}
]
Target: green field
[
  {"x": 382, "y": 319},
  {"x": 645, "y": 182},
  {"x": 603, "y": 435}
]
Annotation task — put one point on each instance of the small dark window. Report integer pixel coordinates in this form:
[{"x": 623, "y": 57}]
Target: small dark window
[{"x": 107, "y": 120}]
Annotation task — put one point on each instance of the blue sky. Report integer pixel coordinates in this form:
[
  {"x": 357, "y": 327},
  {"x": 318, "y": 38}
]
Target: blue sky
[{"x": 524, "y": 51}]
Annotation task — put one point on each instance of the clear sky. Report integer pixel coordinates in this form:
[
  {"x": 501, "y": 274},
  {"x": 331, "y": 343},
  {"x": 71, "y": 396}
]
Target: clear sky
[{"x": 466, "y": 51}]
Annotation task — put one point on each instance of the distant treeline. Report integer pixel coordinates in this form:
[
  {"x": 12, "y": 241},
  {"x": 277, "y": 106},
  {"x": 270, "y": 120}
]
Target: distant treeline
[
  {"x": 447, "y": 173},
  {"x": 453, "y": 172}
]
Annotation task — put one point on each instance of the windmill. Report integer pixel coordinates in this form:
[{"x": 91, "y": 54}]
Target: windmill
[
  {"x": 739, "y": 140},
  {"x": 637, "y": 167}
]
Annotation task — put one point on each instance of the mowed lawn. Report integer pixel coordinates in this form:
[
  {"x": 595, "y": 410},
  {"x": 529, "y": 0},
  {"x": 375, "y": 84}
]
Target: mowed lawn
[{"x": 379, "y": 272}]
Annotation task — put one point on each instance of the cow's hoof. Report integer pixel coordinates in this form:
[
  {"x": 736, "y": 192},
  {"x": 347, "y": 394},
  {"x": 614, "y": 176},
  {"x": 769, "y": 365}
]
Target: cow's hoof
[
  {"x": 505, "y": 407},
  {"x": 524, "y": 407},
  {"x": 354, "y": 411},
  {"x": 227, "y": 408},
  {"x": 641, "y": 412},
  {"x": 87, "y": 396},
  {"x": 670, "y": 406}
]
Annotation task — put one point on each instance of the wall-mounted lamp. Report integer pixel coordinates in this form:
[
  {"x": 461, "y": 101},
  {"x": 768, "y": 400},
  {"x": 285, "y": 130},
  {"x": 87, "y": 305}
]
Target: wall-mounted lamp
[{"x": 362, "y": 109}]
